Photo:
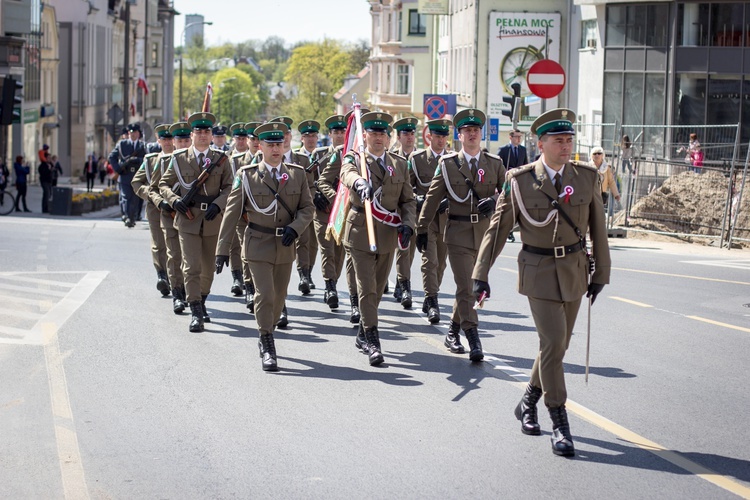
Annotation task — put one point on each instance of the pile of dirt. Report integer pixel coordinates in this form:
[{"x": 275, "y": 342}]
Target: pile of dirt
[{"x": 691, "y": 203}]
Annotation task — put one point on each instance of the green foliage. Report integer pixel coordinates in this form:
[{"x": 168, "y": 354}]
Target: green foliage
[
  {"x": 360, "y": 53},
  {"x": 237, "y": 98}
]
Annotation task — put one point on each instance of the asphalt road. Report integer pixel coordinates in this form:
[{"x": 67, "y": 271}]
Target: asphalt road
[{"x": 105, "y": 394}]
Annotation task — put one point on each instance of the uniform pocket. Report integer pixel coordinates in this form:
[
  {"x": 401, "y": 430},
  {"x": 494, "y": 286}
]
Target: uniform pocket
[{"x": 528, "y": 265}]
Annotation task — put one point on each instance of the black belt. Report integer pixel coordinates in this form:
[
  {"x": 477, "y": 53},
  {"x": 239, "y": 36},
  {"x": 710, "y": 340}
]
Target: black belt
[
  {"x": 473, "y": 218},
  {"x": 557, "y": 252},
  {"x": 202, "y": 201},
  {"x": 276, "y": 231}
]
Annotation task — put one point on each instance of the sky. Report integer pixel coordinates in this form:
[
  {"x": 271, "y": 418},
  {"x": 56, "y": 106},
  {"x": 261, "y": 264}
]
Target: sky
[{"x": 293, "y": 20}]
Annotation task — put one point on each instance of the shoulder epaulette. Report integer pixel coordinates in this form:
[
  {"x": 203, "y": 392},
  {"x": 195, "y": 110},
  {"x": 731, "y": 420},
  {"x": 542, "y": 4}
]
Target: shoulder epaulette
[
  {"x": 493, "y": 156},
  {"x": 400, "y": 157},
  {"x": 321, "y": 150},
  {"x": 514, "y": 172},
  {"x": 150, "y": 155},
  {"x": 419, "y": 152},
  {"x": 449, "y": 155},
  {"x": 180, "y": 151},
  {"x": 238, "y": 154},
  {"x": 294, "y": 165},
  {"x": 579, "y": 164}
]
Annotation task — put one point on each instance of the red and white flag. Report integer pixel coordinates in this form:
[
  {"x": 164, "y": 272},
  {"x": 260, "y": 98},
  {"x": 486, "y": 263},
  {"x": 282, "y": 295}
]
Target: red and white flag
[{"x": 142, "y": 84}]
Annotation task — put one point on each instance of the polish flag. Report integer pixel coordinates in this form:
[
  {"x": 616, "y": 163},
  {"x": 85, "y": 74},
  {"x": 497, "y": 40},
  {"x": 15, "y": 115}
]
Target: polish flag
[{"x": 142, "y": 84}]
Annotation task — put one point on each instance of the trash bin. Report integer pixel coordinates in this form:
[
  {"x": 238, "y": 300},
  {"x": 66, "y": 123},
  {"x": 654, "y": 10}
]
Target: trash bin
[{"x": 62, "y": 201}]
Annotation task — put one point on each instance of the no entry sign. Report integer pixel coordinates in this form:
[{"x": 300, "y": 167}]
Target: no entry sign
[{"x": 546, "y": 78}]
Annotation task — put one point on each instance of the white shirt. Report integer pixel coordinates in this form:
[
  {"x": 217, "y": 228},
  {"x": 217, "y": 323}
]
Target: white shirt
[
  {"x": 273, "y": 170},
  {"x": 469, "y": 158},
  {"x": 288, "y": 157},
  {"x": 551, "y": 173},
  {"x": 440, "y": 154},
  {"x": 197, "y": 153},
  {"x": 376, "y": 158}
]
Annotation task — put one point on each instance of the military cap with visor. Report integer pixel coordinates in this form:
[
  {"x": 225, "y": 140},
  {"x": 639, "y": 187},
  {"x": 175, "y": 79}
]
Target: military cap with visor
[
  {"x": 336, "y": 122},
  {"x": 201, "y": 120},
  {"x": 441, "y": 126},
  {"x": 471, "y": 117},
  {"x": 180, "y": 130},
  {"x": 162, "y": 131},
  {"x": 219, "y": 130},
  {"x": 408, "y": 124},
  {"x": 238, "y": 130},
  {"x": 283, "y": 119},
  {"x": 251, "y": 126},
  {"x": 271, "y": 132},
  {"x": 376, "y": 121},
  {"x": 133, "y": 127},
  {"x": 308, "y": 127},
  {"x": 554, "y": 122}
]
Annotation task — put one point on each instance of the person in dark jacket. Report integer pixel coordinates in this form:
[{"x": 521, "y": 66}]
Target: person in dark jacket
[
  {"x": 45, "y": 179},
  {"x": 21, "y": 172}
]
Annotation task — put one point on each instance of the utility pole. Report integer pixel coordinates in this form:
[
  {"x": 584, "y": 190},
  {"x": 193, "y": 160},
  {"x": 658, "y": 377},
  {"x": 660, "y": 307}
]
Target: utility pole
[{"x": 126, "y": 68}]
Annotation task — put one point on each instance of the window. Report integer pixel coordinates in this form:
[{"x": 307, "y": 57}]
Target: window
[
  {"x": 637, "y": 25},
  {"x": 588, "y": 34},
  {"x": 154, "y": 96},
  {"x": 400, "y": 25},
  {"x": 417, "y": 23},
  {"x": 403, "y": 79},
  {"x": 388, "y": 85},
  {"x": 155, "y": 55}
]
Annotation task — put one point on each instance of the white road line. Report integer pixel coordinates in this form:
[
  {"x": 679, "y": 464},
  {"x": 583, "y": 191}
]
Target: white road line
[
  {"x": 24, "y": 300},
  {"x": 39, "y": 281},
  {"x": 15, "y": 313},
  {"x": 31, "y": 290}
]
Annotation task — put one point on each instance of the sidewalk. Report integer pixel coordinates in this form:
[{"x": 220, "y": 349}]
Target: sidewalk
[{"x": 34, "y": 201}]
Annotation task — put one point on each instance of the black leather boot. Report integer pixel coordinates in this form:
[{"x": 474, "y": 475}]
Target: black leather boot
[
  {"x": 283, "y": 319},
  {"x": 309, "y": 278},
  {"x": 355, "y": 316},
  {"x": 196, "y": 321},
  {"x": 453, "y": 339},
  {"x": 373, "y": 346},
  {"x": 250, "y": 296},
  {"x": 360, "y": 342},
  {"x": 475, "y": 345},
  {"x": 331, "y": 297},
  {"x": 236, "y": 283},
  {"x": 526, "y": 411},
  {"x": 178, "y": 300},
  {"x": 397, "y": 292},
  {"x": 406, "y": 294},
  {"x": 433, "y": 311},
  {"x": 162, "y": 283},
  {"x": 562, "y": 441},
  {"x": 304, "y": 284},
  {"x": 206, "y": 317},
  {"x": 267, "y": 349}
]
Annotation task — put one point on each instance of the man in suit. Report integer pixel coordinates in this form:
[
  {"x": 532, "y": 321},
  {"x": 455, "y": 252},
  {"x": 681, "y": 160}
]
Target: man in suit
[
  {"x": 470, "y": 179},
  {"x": 198, "y": 224},
  {"x": 277, "y": 201},
  {"x": 553, "y": 265},
  {"x": 513, "y": 154},
  {"x": 219, "y": 138},
  {"x": 393, "y": 208},
  {"x": 126, "y": 159},
  {"x": 422, "y": 166},
  {"x": 181, "y": 139},
  {"x": 141, "y": 183}
]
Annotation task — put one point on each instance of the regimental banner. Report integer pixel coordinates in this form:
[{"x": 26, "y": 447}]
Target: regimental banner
[
  {"x": 439, "y": 7},
  {"x": 517, "y": 41},
  {"x": 340, "y": 208}
]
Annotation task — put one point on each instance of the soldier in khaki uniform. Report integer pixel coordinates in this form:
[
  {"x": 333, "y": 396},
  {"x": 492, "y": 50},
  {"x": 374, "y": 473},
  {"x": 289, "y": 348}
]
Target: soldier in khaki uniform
[
  {"x": 553, "y": 264},
  {"x": 328, "y": 184},
  {"x": 141, "y": 181},
  {"x": 470, "y": 179},
  {"x": 240, "y": 161},
  {"x": 181, "y": 140},
  {"x": 406, "y": 132},
  {"x": 252, "y": 140},
  {"x": 393, "y": 213},
  {"x": 239, "y": 150},
  {"x": 331, "y": 253},
  {"x": 198, "y": 224},
  {"x": 273, "y": 225},
  {"x": 422, "y": 167},
  {"x": 308, "y": 242}
]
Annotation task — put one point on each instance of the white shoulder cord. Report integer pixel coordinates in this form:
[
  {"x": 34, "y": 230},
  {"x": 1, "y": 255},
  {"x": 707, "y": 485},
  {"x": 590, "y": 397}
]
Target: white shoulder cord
[
  {"x": 269, "y": 210},
  {"x": 419, "y": 181},
  {"x": 179, "y": 176},
  {"x": 450, "y": 189},
  {"x": 553, "y": 213}
]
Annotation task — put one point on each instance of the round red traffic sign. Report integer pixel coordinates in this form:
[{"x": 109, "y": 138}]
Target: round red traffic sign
[
  {"x": 425, "y": 131},
  {"x": 546, "y": 78}
]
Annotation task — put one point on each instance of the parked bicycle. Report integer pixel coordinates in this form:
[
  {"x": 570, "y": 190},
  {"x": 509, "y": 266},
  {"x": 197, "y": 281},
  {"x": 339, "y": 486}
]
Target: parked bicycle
[{"x": 7, "y": 202}]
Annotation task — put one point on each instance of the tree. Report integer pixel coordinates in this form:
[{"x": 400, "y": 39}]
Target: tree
[
  {"x": 360, "y": 52},
  {"x": 275, "y": 48},
  {"x": 237, "y": 98},
  {"x": 317, "y": 70}
]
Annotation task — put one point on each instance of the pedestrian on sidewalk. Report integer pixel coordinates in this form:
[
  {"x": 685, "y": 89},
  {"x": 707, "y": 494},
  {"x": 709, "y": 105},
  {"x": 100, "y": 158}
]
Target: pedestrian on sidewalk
[
  {"x": 91, "y": 169},
  {"x": 56, "y": 170},
  {"x": 102, "y": 166},
  {"x": 21, "y": 171},
  {"x": 45, "y": 179}
]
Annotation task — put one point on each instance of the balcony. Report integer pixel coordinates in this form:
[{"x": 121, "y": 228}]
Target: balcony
[{"x": 11, "y": 52}]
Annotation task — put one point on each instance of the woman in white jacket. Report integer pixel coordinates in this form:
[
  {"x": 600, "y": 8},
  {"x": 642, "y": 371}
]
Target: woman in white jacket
[{"x": 606, "y": 174}]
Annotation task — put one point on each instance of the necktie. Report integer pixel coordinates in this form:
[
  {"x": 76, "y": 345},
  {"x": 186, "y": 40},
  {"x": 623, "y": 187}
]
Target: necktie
[
  {"x": 558, "y": 183},
  {"x": 515, "y": 155},
  {"x": 275, "y": 179},
  {"x": 200, "y": 160},
  {"x": 473, "y": 164},
  {"x": 380, "y": 163}
]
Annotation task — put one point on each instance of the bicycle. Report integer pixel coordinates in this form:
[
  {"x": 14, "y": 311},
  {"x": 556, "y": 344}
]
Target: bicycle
[
  {"x": 516, "y": 64},
  {"x": 7, "y": 202}
]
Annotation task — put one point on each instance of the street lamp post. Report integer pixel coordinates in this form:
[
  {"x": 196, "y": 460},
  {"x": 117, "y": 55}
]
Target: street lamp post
[
  {"x": 182, "y": 55},
  {"x": 231, "y": 113}
]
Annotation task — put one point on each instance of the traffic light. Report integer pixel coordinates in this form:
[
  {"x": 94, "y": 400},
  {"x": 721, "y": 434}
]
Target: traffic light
[
  {"x": 8, "y": 113},
  {"x": 515, "y": 104}
]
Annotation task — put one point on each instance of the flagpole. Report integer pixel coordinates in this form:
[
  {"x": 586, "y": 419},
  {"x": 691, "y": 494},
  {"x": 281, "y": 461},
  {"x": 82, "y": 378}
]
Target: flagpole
[{"x": 364, "y": 173}]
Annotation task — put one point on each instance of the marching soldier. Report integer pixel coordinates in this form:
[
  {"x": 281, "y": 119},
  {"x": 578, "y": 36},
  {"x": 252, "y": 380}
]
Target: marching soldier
[
  {"x": 331, "y": 253},
  {"x": 126, "y": 159},
  {"x": 141, "y": 183},
  {"x": 470, "y": 179},
  {"x": 554, "y": 201},
  {"x": 394, "y": 213},
  {"x": 180, "y": 132},
  {"x": 328, "y": 184},
  {"x": 252, "y": 139},
  {"x": 198, "y": 223},
  {"x": 238, "y": 151},
  {"x": 277, "y": 201},
  {"x": 219, "y": 138},
  {"x": 308, "y": 242},
  {"x": 422, "y": 167},
  {"x": 406, "y": 133},
  {"x": 239, "y": 161}
]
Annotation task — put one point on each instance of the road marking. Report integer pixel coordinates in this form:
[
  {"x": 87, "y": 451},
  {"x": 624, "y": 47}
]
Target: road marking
[
  {"x": 743, "y": 264},
  {"x": 27, "y": 279},
  {"x": 29, "y": 289},
  {"x": 718, "y": 323},
  {"x": 632, "y": 302},
  {"x": 19, "y": 314},
  {"x": 68, "y": 451},
  {"x": 716, "y": 280}
]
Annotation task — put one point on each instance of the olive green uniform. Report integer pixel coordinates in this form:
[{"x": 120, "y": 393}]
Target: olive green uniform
[
  {"x": 141, "y": 182},
  {"x": 166, "y": 220}
]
